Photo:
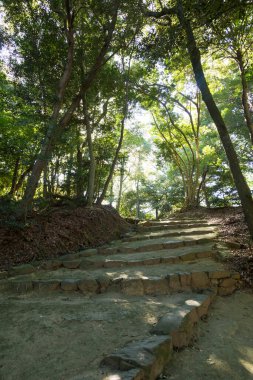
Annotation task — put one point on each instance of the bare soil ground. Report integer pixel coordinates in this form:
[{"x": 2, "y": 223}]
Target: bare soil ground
[
  {"x": 54, "y": 337},
  {"x": 64, "y": 337},
  {"x": 224, "y": 348}
]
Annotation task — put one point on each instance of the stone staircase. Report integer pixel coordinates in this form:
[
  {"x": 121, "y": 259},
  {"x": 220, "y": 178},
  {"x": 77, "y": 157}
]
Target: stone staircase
[{"x": 133, "y": 301}]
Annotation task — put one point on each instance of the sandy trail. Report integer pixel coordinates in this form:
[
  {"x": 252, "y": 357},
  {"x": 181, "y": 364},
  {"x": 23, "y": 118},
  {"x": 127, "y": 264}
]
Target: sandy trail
[{"x": 224, "y": 348}]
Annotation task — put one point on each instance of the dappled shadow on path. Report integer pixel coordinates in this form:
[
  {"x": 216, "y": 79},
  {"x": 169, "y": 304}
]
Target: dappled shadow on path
[{"x": 224, "y": 349}]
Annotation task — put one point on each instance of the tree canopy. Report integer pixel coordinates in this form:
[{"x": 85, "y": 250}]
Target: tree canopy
[{"x": 144, "y": 105}]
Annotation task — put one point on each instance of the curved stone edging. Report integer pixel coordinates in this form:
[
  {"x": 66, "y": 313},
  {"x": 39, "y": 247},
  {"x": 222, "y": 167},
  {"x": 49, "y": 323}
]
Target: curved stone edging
[{"x": 146, "y": 359}]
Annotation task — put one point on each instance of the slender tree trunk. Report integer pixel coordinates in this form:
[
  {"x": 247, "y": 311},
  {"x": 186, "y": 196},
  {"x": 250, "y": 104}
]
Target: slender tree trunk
[
  {"x": 247, "y": 106},
  {"x": 14, "y": 178},
  {"x": 122, "y": 172},
  {"x": 92, "y": 167},
  {"x": 201, "y": 185},
  {"x": 111, "y": 193},
  {"x": 22, "y": 178},
  {"x": 57, "y": 127},
  {"x": 79, "y": 173},
  {"x": 53, "y": 178},
  {"x": 53, "y": 128},
  {"x": 68, "y": 179},
  {"x": 45, "y": 182},
  {"x": 197, "y": 147},
  {"x": 240, "y": 182},
  {"x": 206, "y": 195},
  {"x": 115, "y": 159},
  {"x": 138, "y": 210}
]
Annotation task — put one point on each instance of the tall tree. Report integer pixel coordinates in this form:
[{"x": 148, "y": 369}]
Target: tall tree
[
  {"x": 233, "y": 39},
  {"x": 183, "y": 18}
]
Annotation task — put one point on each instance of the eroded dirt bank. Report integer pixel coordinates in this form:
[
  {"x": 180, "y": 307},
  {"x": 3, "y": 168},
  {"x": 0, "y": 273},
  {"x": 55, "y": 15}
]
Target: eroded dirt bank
[{"x": 58, "y": 231}]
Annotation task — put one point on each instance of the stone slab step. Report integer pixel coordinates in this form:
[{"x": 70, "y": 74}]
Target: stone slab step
[
  {"x": 145, "y": 359},
  {"x": 166, "y": 233},
  {"x": 157, "y": 227},
  {"x": 169, "y": 256},
  {"x": 173, "y": 221},
  {"x": 139, "y": 280},
  {"x": 91, "y": 259},
  {"x": 157, "y": 244}
]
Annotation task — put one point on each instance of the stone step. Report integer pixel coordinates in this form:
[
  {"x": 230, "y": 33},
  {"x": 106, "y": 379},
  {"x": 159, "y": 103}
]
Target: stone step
[
  {"x": 152, "y": 244},
  {"x": 173, "y": 222},
  {"x": 168, "y": 256},
  {"x": 157, "y": 227},
  {"x": 157, "y": 244},
  {"x": 146, "y": 359},
  {"x": 138, "y": 280},
  {"x": 124, "y": 306},
  {"x": 39, "y": 332},
  {"x": 166, "y": 233},
  {"x": 96, "y": 258}
]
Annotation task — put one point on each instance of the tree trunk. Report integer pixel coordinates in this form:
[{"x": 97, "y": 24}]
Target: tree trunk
[
  {"x": 191, "y": 194},
  {"x": 122, "y": 172},
  {"x": 92, "y": 167},
  {"x": 247, "y": 107},
  {"x": 68, "y": 179},
  {"x": 79, "y": 174},
  {"x": 22, "y": 178},
  {"x": 45, "y": 182},
  {"x": 111, "y": 198},
  {"x": 201, "y": 185},
  {"x": 240, "y": 182},
  {"x": 55, "y": 176},
  {"x": 138, "y": 209},
  {"x": 115, "y": 159},
  {"x": 14, "y": 178},
  {"x": 56, "y": 127},
  {"x": 206, "y": 195},
  {"x": 53, "y": 127}
]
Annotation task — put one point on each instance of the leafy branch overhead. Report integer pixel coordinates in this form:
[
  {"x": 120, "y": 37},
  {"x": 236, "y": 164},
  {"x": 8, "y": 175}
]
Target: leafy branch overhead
[{"x": 112, "y": 101}]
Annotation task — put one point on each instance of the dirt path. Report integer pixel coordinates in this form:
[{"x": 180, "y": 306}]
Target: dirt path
[{"x": 224, "y": 349}]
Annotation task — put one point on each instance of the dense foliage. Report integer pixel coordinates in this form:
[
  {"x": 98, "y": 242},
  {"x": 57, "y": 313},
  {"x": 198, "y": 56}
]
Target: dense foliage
[{"x": 75, "y": 74}]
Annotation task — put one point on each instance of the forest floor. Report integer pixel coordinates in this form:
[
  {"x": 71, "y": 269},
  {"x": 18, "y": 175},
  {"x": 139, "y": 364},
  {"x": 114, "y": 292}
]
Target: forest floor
[
  {"x": 233, "y": 230},
  {"x": 57, "y": 231}
]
